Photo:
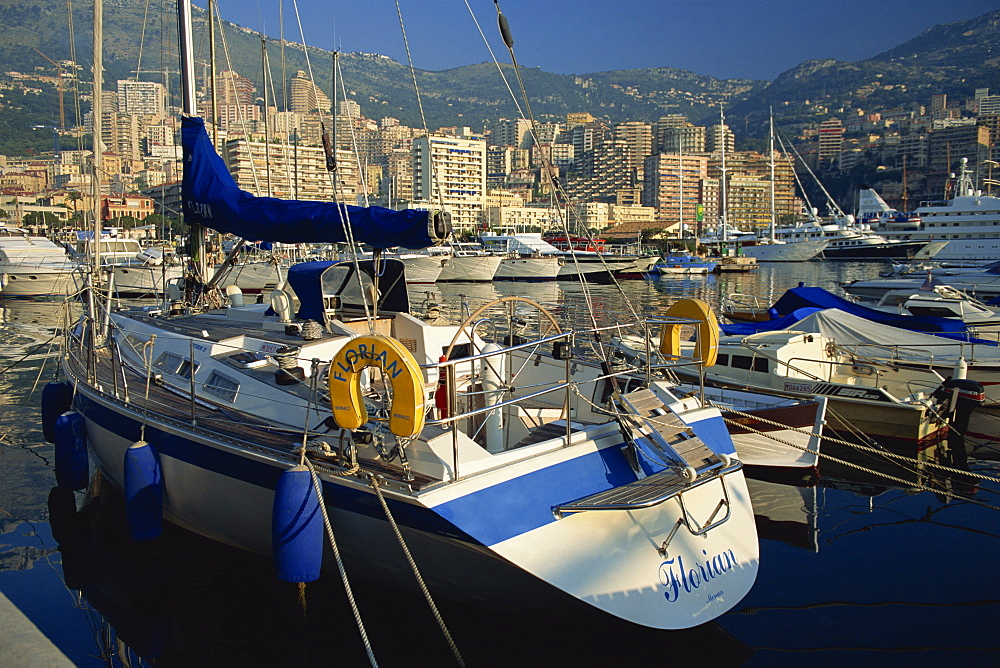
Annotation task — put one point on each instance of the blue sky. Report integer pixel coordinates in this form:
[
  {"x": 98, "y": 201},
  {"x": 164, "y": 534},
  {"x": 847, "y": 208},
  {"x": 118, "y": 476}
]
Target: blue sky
[{"x": 755, "y": 39}]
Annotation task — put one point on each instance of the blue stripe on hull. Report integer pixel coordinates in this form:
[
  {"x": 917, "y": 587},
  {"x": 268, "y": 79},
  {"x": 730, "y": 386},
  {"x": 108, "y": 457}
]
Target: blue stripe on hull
[
  {"x": 487, "y": 516},
  {"x": 262, "y": 474}
]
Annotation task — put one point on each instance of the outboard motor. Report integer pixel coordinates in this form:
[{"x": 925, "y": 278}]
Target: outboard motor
[{"x": 965, "y": 396}]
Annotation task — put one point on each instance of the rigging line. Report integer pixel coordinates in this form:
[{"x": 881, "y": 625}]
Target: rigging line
[
  {"x": 435, "y": 182},
  {"x": 903, "y": 458},
  {"x": 798, "y": 181},
  {"x": 549, "y": 168},
  {"x": 352, "y": 245},
  {"x": 265, "y": 64},
  {"x": 496, "y": 62},
  {"x": 354, "y": 137},
  {"x": 416, "y": 572},
  {"x": 509, "y": 41},
  {"x": 305, "y": 52},
  {"x": 340, "y": 562},
  {"x": 829, "y": 198},
  {"x": 231, "y": 81},
  {"x": 142, "y": 40},
  {"x": 281, "y": 39}
]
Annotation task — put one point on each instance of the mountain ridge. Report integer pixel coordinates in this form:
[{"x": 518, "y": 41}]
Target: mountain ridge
[{"x": 956, "y": 55}]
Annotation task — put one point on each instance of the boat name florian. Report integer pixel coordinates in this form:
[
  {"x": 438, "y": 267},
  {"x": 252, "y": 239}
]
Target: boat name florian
[{"x": 680, "y": 580}]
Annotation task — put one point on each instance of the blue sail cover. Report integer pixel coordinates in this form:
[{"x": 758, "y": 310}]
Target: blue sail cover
[
  {"x": 773, "y": 325},
  {"x": 211, "y": 198}
]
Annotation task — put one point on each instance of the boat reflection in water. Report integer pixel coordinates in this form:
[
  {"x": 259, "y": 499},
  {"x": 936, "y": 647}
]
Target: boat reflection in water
[{"x": 184, "y": 600}]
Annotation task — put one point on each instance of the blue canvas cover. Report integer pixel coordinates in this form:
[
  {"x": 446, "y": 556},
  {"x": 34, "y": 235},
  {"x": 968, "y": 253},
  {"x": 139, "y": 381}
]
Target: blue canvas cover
[
  {"x": 212, "y": 198},
  {"x": 775, "y": 324},
  {"x": 800, "y": 297},
  {"x": 312, "y": 281}
]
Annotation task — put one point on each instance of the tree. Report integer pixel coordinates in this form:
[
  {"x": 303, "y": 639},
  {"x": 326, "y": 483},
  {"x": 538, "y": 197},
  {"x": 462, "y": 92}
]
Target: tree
[
  {"x": 125, "y": 222},
  {"x": 41, "y": 219},
  {"x": 74, "y": 197}
]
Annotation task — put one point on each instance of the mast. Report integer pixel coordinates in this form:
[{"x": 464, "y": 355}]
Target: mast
[
  {"x": 214, "y": 82},
  {"x": 265, "y": 66},
  {"x": 725, "y": 185},
  {"x": 771, "y": 151},
  {"x": 97, "y": 113},
  {"x": 680, "y": 187},
  {"x": 189, "y": 108},
  {"x": 906, "y": 196}
]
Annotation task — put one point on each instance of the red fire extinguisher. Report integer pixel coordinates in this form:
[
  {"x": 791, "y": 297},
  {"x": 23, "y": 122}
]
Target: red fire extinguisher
[{"x": 441, "y": 393}]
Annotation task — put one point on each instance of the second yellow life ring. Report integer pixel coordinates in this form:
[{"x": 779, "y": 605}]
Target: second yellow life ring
[
  {"x": 406, "y": 414},
  {"x": 706, "y": 346}
]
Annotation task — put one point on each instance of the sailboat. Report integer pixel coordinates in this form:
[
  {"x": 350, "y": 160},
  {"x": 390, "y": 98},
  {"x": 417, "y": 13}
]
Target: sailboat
[
  {"x": 502, "y": 459},
  {"x": 775, "y": 249}
]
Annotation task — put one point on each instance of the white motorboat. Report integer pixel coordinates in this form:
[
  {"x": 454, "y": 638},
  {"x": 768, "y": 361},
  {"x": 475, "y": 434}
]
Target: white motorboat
[
  {"x": 466, "y": 262},
  {"x": 899, "y": 405},
  {"x": 943, "y": 301},
  {"x": 982, "y": 283},
  {"x": 917, "y": 351},
  {"x": 518, "y": 248},
  {"x": 34, "y": 266}
]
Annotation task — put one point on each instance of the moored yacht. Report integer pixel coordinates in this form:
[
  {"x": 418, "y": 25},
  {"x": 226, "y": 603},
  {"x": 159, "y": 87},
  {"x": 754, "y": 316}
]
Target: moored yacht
[
  {"x": 465, "y": 262},
  {"x": 969, "y": 221},
  {"x": 33, "y": 265}
]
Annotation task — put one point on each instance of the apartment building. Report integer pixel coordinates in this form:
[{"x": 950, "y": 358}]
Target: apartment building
[
  {"x": 450, "y": 172},
  {"x": 289, "y": 171},
  {"x": 673, "y": 185}
]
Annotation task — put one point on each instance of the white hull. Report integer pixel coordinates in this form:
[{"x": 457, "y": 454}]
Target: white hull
[
  {"x": 422, "y": 268},
  {"x": 528, "y": 269},
  {"x": 969, "y": 250},
  {"x": 983, "y": 434},
  {"x": 469, "y": 268},
  {"x": 523, "y": 497},
  {"x": 640, "y": 265},
  {"x": 144, "y": 280},
  {"x": 697, "y": 578},
  {"x": 681, "y": 269},
  {"x": 37, "y": 282},
  {"x": 791, "y": 252},
  {"x": 767, "y": 430}
]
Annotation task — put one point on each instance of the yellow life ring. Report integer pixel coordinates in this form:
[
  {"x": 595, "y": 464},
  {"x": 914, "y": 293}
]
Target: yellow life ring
[
  {"x": 706, "y": 346},
  {"x": 406, "y": 414}
]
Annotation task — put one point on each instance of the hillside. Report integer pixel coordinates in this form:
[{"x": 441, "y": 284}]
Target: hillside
[
  {"x": 466, "y": 95},
  {"x": 955, "y": 58}
]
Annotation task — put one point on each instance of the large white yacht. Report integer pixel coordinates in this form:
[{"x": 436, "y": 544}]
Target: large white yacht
[{"x": 969, "y": 221}]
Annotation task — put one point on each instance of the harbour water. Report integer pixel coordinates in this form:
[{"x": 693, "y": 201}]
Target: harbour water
[{"x": 854, "y": 568}]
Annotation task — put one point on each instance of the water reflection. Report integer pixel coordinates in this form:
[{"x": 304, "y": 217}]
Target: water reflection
[{"x": 183, "y": 600}]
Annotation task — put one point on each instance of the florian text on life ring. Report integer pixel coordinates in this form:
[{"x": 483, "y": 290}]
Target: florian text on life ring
[{"x": 406, "y": 414}]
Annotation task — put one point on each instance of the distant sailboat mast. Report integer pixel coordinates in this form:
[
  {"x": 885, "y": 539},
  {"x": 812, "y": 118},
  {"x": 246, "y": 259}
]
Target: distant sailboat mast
[
  {"x": 722, "y": 207},
  {"x": 771, "y": 156},
  {"x": 680, "y": 186}
]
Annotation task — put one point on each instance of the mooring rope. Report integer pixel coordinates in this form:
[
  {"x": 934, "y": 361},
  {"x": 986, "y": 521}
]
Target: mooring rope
[
  {"x": 849, "y": 444},
  {"x": 416, "y": 572},
  {"x": 340, "y": 564},
  {"x": 892, "y": 478}
]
